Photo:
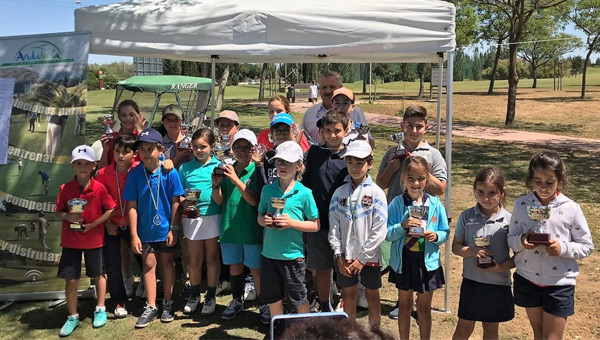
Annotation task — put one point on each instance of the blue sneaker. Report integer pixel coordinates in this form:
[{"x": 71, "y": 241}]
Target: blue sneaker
[
  {"x": 265, "y": 315},
  {"x": 99, "y": 318},
  {"x": 69, "y": 326},
  {"x": 234, "y": 307}
]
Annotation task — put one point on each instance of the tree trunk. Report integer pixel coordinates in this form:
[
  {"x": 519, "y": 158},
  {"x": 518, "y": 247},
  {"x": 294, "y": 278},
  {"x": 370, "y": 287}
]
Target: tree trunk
[
  {"x": 585, "y": 65},
  {"x": 222, "y": 85},
  {"x": 493, "y": 75},
  {"x": 365, "y": 78},
  {"x": 513, "y": 79},
  {"x": 421, "y": 69},
  {"x": 534, "y": 74},
  {"x": 263, "y": 77}
]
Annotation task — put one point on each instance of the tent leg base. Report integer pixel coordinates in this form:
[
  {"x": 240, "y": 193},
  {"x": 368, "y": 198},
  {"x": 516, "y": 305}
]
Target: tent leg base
[
  {"x": 440, "y": 310},
  {"x": 56, "y": 303},
  {"x": 6, "y": 305}
]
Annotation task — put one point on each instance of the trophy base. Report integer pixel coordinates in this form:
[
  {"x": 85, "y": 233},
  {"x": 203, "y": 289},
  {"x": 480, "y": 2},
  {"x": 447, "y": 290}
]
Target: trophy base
[
  {"x": 539, "y": 238},
  {"x": 75, "y": 227},
  {"x": 218, "y": 171},
  {"x": 400, "y": 153},
  {"x": 190, "y": 214},
  {"x": 416, "y": 232},
  {"x": 181, "y": 148},
  {"x": 485, "y": 262}
]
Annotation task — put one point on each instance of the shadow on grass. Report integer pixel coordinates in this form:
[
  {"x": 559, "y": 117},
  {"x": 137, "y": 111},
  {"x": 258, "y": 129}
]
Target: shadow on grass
[
  {"x": 549, "y": 127},
  {"x": 560, "y": 100}
]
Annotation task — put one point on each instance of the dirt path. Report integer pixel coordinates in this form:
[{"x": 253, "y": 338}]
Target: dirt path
[{"x": 490, "y": 133}]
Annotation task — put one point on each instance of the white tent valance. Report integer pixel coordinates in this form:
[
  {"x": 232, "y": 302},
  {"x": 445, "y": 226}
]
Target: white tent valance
[{"x": 344, "y": 31}]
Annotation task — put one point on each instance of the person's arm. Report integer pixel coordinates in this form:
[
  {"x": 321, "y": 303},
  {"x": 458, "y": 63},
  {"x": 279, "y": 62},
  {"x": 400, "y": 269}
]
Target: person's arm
[
  {"x": 517, "y": 236},
  {"x": 579, "y": 245},
  {"x": 335, "y": 235},
  {"x": 175, "y": 218},
  {"x": 247, "y": 193},
  {"x": 435, "y": 186},
  {"x": 285, "y": 221},
  {"x": 387, "y": 168},
  {"x": 136, "y": 243},
  {"x": 105, "y": 216},
  {"x": 370, "y": 248},
  {"x": 107, "y": 148},
  {"x": 437, "y": 178},
  {"x": 217, "y": 194}
]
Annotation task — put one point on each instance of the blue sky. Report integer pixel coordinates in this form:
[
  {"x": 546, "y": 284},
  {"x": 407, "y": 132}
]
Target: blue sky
[{"x": 48, "y": 16}]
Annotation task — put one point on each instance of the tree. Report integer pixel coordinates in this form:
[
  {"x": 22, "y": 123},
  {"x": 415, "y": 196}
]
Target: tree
[
  {"x": 477, "y": 65},
  {"x": 263, "y": 76},
  {"x": 222, "y": 85},
  {"x": 576, "y": 65},
  {"x": 494, "y": 28},
  {"x": 518, "y": 13},
  {"x": 171, "y": 67},
  {"x": 585, "y": 16}
]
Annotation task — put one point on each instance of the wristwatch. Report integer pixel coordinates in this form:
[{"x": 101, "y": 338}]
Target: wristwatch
[
  {"x": 174, "y": 227},
  {"x": 337, "y": 256}
]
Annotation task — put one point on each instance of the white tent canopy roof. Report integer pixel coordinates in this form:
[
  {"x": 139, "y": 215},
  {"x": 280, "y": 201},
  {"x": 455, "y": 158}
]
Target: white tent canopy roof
[{"x": 345, "y": 31}]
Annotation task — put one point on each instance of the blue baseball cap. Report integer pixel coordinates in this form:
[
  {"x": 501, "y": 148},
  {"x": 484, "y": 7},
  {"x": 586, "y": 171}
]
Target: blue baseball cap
[
  {"x": 149, "y": 136},
  {"x": 284, "y": 118}
]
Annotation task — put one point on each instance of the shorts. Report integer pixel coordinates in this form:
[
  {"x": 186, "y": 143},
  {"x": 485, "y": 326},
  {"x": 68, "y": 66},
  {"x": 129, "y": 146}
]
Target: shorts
[
  {"x": 283, "y": 279},
  {"x": 201, "y": 228},
  {"x": 485, "y": 302},
  {"x": 319, "y": 254},
  {"x": 156, "y": 247},
  {"x": 69, "y": 267},
  {"x": 555, "y": 300},
  {"x": 370, "y": 277},
  {"x": 248, "y": 254},
  {"x": 415, "y": 275}
]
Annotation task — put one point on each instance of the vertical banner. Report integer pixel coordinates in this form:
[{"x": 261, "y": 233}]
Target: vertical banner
[{"x": 43, "y": 80}]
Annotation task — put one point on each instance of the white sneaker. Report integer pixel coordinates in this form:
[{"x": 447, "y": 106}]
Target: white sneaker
[
  {"x": 315, "y": 306},
  {"x": 394, "y": 314},
  {"x": 191, "y": 305},
  {"x": 140, "y": 291},
  {"x": 222, "y": 287},
  {"x": 249, "y": 292},
  {"x": 361, "y": 302},
  {"x": 120, "y": 311},
  {"x": 208, "y": 308},
  {"x": 128, "y": 283}
]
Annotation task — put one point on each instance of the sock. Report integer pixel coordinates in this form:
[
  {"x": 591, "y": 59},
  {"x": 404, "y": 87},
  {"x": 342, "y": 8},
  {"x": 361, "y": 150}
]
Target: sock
[
  {"x": 195, "y": 290},
  {"x": 325, "y": 306},
  {"x": 237, "y": 286},
  {"x": 211, "y": 292},
  {"x": 103, "y": 308},
  {"x": 76, "y": 316}
]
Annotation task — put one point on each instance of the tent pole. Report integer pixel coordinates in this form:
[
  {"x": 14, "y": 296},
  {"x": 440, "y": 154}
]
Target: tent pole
[
  {"x": 213, "y": 98},
  {"x": 439, "y": 104},
  {"x": 448, "y": 195},
  {"x": 370, "y": 80}
]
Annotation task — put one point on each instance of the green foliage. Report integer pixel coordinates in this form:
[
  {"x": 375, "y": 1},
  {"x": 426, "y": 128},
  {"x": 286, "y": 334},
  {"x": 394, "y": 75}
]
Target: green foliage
[
  {"x": 171, "y": 67},
  {"x": 477, "y": 65},
  {"x": 113, "y": 73},
  {"x": 502, "y": 70},
  {"x": 576, "y": 65}
]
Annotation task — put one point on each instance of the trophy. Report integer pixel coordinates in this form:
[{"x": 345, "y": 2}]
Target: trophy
[
  {"x": 540, "y": 215},
  {"x": 191, "y": 195},
  {"x": 417, "y": 211},
  {"x": 278, "y": 204},
  {"x": 77, "y": 206},
  {"x": 186, "y": 142},
  {"x": 484, "y": 242},
  {"x": 401, "y": 151},
  {"x": 107, "y": 121},
  {"x": 221, "y": 153}
]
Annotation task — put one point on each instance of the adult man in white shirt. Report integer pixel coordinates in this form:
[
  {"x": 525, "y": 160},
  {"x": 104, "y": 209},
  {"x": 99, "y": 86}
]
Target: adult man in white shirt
[{"x": 313, "y": 93}]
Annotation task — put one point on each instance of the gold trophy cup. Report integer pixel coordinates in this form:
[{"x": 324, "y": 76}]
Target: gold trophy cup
[
  {"x": 540, "y": 215},
  {"x": 77, "y": 206},
  {"x": 484, "y": 242},
  {"x": 192, "y": 195},
  {"x": 278, "y": 204}
]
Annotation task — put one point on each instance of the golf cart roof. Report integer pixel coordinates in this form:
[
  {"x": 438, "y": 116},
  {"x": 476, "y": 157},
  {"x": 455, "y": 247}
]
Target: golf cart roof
[{"x": 165, "y": 84}]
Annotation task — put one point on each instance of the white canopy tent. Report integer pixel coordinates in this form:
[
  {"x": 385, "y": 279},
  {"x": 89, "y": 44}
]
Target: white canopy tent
[{"x": 309, "y": 31}]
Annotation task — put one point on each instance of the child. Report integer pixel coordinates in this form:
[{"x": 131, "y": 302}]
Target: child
[
  {"x": 343, "y": 101},
  {"x": 201, "y": 233},
  {"x": 416, "y": 260},
  {"x": 545, "y": 275},
  {"x": 485, "y": 293},
  {"x": 283, "y": 265},
  {"x": 152, "y": 201},
  {"x": 325, "y": 172},
  {"x": 228, "y": 123},
  {"x": 282, "y": 131},
  {"x": 172, "y": 118},
  {"x": 279, "y": 104},
  {"x": 132, "y": 121},
  {"x": 241, "y": 236},
  {"x": 113, "y": 177},
  {"x": 89, "y": 240},
  {"x": 355, "y": 241}
]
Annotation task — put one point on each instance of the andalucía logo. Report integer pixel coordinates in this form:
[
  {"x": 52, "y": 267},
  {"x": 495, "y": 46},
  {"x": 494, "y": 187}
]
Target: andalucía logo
[
  {"x": 38, "y": 52},
  {"x": 34, "y": 275}
]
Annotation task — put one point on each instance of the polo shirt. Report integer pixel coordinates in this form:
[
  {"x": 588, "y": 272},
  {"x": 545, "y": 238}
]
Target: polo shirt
[
  {"x": 239, "y": 220},
  {"x": 472, "y": 222},
  {"x": 137, "y": 189},
  {"x": 287, "y": 244},
  {"x": 108, "y": 177},
  {"x": 433, "y": 157},
  {"x": 269, "y": 168},
  {"x": 316, "y": 112},
  {"x": 194, "y": 175},
  {"x": 45, "y": 176},
  {"x": 98, "y": 201},
  {"x": 325, "y": 172},
  {"x": 263, "y": 138}
]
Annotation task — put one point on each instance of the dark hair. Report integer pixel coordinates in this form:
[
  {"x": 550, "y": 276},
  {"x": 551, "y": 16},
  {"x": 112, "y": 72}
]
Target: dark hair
[
  {"x": 549, "y": 160},
  {"x": 128, "y": 102},
  {"x": 206, "y": 133},
  {"x": 334, "y": 117},
  {"x": 126, "y": 140},
  {"x": 328, "y": 329},
  {"x": 283, "y": 100},
  {"x": 415, "y": 111},
  {"x": 414, "y": 162},
  {"x": 496, "y": 177}
]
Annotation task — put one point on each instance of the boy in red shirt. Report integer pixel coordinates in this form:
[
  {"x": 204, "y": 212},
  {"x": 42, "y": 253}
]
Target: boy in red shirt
[{"x": 83, "y": 232}]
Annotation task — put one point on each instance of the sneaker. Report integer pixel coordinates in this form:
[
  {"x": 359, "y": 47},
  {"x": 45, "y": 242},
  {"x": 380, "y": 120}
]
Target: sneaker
[
  {"x": 222, "y": 287},
  {"x": 99, "y": 318},
  {"x": 187, "y": 290},
  {"x": 394, "y": 314},
  {"x": 191, "y": 305},
  {"x": 361, "y": 302},
  {"x": 265, "y": 314},
  {"x": 69, "y": 326},
  {"x": 234, "y": 307},
  {"x": 140, "y": 291},
  {"x": 150, "y": 313},
  {"x": 120, "y": 311},
  {"x": 249, "y": 292},
  {"x": 209, "y": 306},
  {"x": 315, "y": 306},
  {"x": 128, "y": 283},
  {"x": 167, "y": 314}
]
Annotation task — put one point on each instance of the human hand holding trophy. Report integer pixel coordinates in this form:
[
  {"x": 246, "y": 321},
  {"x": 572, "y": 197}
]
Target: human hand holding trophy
[
  {"x": 540, "y": 214},
  {"x": 221, "y": 151},
  {"x": 417, "y": 211},
  {"x": 192, "y": 196},
  {"x": 482, "y": 242},
  {"x": 107, "y": 121},
  {"x": 76, "y": 208},
  {"x": 277, "y": 203},
  {"x": 401, "y": 151},
  {"x": 185, "y": 144}
]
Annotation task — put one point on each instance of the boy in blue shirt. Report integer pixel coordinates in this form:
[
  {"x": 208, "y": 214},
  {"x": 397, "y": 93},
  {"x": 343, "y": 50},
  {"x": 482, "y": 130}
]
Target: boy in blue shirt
[{"x": 152, "y": 202}]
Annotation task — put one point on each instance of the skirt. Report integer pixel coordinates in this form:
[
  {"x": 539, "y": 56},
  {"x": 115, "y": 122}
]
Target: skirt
[
  {"x": 485, "y": 302},
  {"x": 415, "y": 275},
  {"x": 201, "y": 228}
]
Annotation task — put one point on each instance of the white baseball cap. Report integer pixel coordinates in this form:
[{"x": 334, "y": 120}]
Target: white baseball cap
[
  {"x": 289, "y": 151},
  {"x": 359, "y": 149},
  {"x": 245, "y": 134},
  {"x": 83, "y": 152}
]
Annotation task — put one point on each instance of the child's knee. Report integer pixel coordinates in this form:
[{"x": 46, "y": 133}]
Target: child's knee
[{"x": 212, "y": 258}]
